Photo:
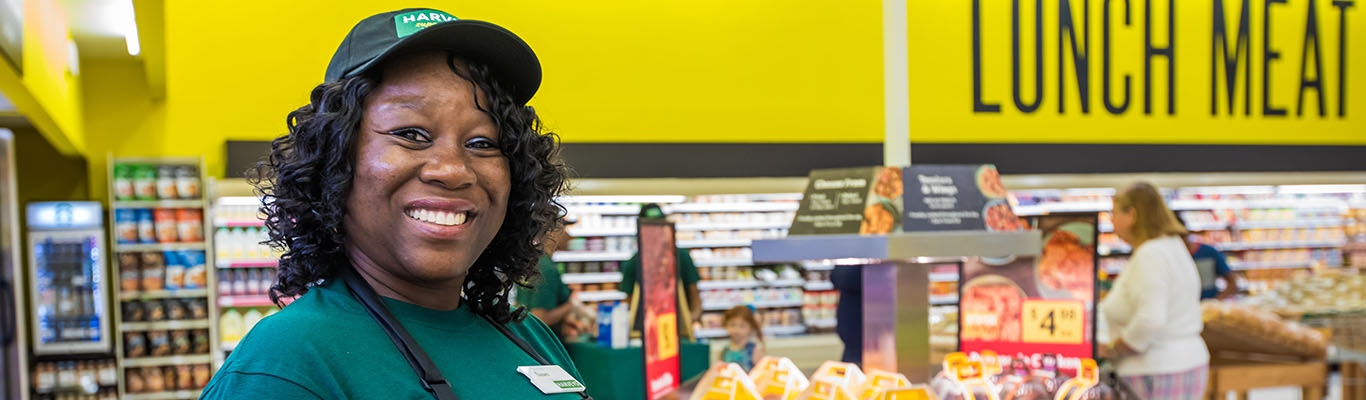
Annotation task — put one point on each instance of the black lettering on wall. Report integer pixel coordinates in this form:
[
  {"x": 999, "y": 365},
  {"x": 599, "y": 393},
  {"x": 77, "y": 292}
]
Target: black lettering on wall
[
  {"x": 1342, "y": 6},
  {"x": 1268, "y": 55},
  {"x": 1242, "y": 55},
  {"x": 1080, "y": 57},
  {"x": 1311, "y": 43},
  {"x": 978, "y": 106},
  {"x": 1105, "y": 61},
  {"x": 1038, "y": 55},
  {"x": 1149, "y": 52}
]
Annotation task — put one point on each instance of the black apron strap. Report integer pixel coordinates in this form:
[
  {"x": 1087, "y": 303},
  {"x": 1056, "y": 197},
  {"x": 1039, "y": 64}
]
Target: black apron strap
[
  {"x": 430, "y": 376},
  {"x": 526, "y": 347}
]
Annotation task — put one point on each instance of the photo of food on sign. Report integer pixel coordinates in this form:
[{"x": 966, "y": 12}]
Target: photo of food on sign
[
  {"x": 883, "y": 213},
  {"x": 993, "y": 296},
  {"x": 999, "y": 217},
  {"x": 1068, "y": 260},
  {"x": 989, "y": 181}
]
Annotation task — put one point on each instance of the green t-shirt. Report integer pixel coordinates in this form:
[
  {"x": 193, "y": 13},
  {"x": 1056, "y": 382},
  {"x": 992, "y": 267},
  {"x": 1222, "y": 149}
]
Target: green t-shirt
[
  {"x": 549, "y": 292},
  {"x": 687, "y": 270},
  {"x": 324, "y": 346}
]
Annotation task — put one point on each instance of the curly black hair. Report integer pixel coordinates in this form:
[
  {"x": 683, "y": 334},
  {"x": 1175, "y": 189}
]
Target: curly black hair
[{"x": 305, "y": 181}]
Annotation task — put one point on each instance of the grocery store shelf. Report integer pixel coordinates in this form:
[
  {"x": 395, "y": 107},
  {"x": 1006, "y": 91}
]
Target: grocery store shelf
[
  {"x": 784, "y": 330},
  {"x": 747, "y": 283},
  {"x": 817, "y": 266},
  {"x": 1235, "y": 246},
  {"x": 164, "y": 294},
  {"x": 245, "y": 301},
  {"x": 176, "y": 395},
  {"x": 591, "y": 277},
  {"x": 1247, "y": 265},
  {"x": 171, "y": 360},
  {"x": 585, "y": 256},
  {"x": 1105, "y": 250},
  {"x": 943, "y": 277},
  {"x": 164, "y": 325},
  {"x": 787, "y": 330},
  {"x": 159, "y": 204},
  {"x": 864, "y": 249},
  {"x": 821, "y": 323},
  {"x": 601, "y": 295},
  {"x": 719, "y": 306},
  {"x": 732, "y": 226},
  {"x": 122, "y": 247},
  {"x": 1207, "y": 226},
  {"x": 603, "y": 209},
  {"x": 1048, "y": 208},
  {"x": 240, "y": 223},
  {"x": 819, "y": 285},
  {"x": 1255, "y": 204},
  {"x": 723, "y": 262},
  {"x": 728, "y": 284},
  {"x": 711, "y": 243},
  {"x": 731, "y": 207},
  {"x": 944, "y": 299},
  {"x": 1301, "y": 223},
  {"x": 592, "y": 232},
  {"x": 248, "y": 263}
]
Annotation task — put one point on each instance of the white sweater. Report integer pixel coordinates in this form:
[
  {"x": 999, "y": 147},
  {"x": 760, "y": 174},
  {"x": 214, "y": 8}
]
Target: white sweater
[{"x": 1155, "y": 307}]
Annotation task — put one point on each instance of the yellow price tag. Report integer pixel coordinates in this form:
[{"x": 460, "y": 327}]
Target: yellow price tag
[
  {"x": 1053, "y": 321},
  {"x": 666, "y": 330}
]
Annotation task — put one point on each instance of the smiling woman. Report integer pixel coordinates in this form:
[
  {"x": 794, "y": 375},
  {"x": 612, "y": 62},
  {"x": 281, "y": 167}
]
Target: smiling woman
[{"x": 408, "y": 197}]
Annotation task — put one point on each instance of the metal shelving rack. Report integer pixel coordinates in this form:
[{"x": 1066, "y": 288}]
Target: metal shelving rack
[
  {"x": 896, "y": 303},
  {"x": 121, "y": 327}
]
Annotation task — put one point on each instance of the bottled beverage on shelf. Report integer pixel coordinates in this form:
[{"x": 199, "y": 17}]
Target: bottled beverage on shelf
[{"x": 73, "y": 376}]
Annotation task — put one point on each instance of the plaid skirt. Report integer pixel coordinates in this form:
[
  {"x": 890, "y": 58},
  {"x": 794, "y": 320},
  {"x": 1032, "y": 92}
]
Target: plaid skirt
[{"x": 1187, "y": 385}]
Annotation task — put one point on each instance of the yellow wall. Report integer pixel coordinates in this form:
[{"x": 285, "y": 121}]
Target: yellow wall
[
  {"x": 45, "y": 91},
  {"x": 615, "y": 71},
  {"x": 122, "y": 118}
]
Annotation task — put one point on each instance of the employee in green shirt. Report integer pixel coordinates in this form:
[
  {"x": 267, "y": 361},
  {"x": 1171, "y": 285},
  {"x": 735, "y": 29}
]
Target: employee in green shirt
[
  {"x": 408, "y": 196},
  {"x": 549, "y": 298},
  {"x": 687, "y": 270}
]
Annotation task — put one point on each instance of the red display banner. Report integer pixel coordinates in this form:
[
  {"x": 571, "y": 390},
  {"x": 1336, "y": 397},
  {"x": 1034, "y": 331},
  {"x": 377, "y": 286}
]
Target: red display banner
[
  {"x": 1030, "y": 307},
  {"x": 658, "y": 290}
]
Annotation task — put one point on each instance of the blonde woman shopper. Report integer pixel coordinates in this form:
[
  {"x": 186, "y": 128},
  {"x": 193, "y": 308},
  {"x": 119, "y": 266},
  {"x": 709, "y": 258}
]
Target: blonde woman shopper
[{"x": 1154, "y": 309}]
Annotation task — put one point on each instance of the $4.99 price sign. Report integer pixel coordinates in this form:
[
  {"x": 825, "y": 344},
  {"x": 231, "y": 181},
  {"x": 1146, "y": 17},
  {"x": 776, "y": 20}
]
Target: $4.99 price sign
[{"x": 1053, "y": 321}]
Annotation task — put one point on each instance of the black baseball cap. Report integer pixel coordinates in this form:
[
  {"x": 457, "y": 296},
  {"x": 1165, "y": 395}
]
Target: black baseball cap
[{"x": 381, "y": 36}]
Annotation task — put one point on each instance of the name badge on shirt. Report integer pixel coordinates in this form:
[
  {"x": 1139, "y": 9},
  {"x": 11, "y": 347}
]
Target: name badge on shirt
[{"x": 551, "y": 379}]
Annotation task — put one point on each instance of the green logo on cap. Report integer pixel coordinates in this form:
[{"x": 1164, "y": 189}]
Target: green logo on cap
[
  {"x": 409, "y": 23},
  {"x": 568, "y": 384}
]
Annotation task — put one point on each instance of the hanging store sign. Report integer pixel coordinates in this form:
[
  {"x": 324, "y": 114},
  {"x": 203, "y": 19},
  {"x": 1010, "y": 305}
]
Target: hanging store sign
[{"x": 1137, "y": 71}]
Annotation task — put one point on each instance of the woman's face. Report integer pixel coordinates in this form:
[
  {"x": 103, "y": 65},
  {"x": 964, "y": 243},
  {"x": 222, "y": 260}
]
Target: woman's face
[
  {"x": 431, "y": 186},
  {"x": 1123, "y": 219}
]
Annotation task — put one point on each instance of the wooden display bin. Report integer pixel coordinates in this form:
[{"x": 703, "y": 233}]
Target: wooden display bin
[{"x": 1240, "y": 372}]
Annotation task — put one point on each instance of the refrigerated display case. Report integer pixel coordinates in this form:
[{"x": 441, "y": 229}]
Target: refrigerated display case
[{"x": 67, "y": 261}]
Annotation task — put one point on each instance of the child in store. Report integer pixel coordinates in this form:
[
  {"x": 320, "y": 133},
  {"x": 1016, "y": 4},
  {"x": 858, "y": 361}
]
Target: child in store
[{"x": 746, "y": 337}]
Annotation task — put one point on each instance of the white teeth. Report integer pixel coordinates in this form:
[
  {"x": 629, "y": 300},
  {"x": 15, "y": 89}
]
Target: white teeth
[{"x": 438, "y": 217}]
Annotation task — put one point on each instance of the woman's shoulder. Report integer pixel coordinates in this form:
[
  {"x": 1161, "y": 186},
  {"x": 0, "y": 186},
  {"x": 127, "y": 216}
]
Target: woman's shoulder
[
  {"x": 311, "y": 321},
  {"x": 1161, "y": 247}
]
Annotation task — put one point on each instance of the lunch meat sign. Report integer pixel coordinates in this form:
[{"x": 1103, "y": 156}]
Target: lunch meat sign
[{"x": 1137, "y": 71}]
